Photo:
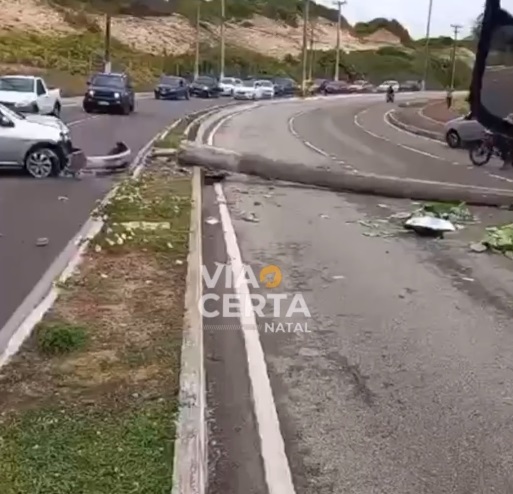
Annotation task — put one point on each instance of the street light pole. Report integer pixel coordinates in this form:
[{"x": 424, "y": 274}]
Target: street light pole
[
  {"x": 312, "y": 53},
  {"x": 107, "y": 64},
  {"x": 197, "y": 54},
  {"x": 223, "y": 20},
  {"x": 306, "y": 16},
  {"x": 426, "y": 48},
  {"x": 339, "y": 4},
  {"x": 456, "y": 28}
]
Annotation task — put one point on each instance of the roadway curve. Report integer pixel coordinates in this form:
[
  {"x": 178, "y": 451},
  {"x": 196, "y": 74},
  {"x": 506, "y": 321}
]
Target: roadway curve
[
  {"x": 30, "y": 209},
  {"x": 405, "y": 382}
]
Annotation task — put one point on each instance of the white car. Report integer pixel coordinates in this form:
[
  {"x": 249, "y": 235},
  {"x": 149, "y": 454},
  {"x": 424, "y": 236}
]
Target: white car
[
  {"x": 228, "y": 85},
  {"x": 29, "y": 94},
  {"x": 461, "y": 131},
  {"x": 383, "y": 87},
  {"x": 254, "y": 90},
  {"x": 39, "y": 144}
]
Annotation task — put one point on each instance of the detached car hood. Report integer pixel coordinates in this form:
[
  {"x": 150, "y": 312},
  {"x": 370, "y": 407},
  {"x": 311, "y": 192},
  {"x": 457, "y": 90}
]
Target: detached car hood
[{"x": 14, "y": 97}]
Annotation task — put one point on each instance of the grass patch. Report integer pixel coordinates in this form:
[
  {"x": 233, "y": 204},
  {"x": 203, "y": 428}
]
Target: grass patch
[
  {"x": 171, "y": 140},
  {"x": 88, "y": 404},
  {"x": 59, "y": 338}
]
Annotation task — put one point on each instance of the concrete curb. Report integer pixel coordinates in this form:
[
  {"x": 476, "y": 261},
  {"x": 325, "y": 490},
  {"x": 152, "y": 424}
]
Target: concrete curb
[{"x": 396, "y": 122}]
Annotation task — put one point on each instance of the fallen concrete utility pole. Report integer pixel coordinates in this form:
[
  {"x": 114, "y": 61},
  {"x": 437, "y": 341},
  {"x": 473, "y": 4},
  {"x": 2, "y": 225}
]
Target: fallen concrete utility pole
[{"x": 219, "y": 159}]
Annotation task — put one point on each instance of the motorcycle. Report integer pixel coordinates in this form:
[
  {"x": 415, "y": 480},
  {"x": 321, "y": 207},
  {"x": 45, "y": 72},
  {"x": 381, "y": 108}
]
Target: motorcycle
[
  {"x": 390, "y": 97},
  {"x": 481, "y": 152}
]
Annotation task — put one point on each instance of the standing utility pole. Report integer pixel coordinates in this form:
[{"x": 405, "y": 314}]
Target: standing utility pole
[
  {"x": 312, "y": 53},
  {"x": 197, "y": 55},
  {"x": 107, "y": 67},
  {"x": 223, "y": 20},
  {"x": 456, "y": 28},
  {"x": 426, "y": 49},
  {"x": 339, "y": 4},
  {"x": 306, "y": 16}
]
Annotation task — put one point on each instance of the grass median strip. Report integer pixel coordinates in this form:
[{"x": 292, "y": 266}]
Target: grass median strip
[{"x": 88, "y": 405}]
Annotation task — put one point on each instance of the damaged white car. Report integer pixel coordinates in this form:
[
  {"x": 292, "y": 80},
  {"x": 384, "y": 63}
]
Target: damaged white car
[{"x": 40, "y": 145}]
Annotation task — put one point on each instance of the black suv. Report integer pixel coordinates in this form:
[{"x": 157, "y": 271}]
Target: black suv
[
  {"x": 109, "y": 92},
  {"x": 205, "y": 87}
]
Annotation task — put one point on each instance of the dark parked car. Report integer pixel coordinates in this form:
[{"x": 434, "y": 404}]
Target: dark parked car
[
  {"x": 205, "y": 87},
  {"x": 171, "y": 87},
  {"x": 284, "y": 86},
  {"x": 336, "y": 87},
  {"x": 109, "y": 92},
  {"x": 410, "y": 86}
]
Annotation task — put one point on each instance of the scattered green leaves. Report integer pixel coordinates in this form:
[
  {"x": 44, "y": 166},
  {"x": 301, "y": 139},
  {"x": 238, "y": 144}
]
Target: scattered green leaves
[
  {"x": 454, "y": 212},
  {"x": 499, "y": 238}
]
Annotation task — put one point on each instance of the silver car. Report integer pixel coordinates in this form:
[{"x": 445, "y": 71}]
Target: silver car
[
  {"x": 462, "y": 131},
  {"x": 39, "y": 144}
]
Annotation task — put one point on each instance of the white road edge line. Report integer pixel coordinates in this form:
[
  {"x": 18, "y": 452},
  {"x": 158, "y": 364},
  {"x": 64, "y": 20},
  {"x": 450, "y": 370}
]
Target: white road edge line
[
  {"x": 276, "y": 465},
  {"x": 40, "y": 299}
]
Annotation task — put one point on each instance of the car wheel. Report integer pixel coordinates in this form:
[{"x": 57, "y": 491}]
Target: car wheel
[
  {"x": 43, "y": 162},
  {"x": 125, "y": 109},
  {"x": 157, "y": 96},
  {"x": 87, "y": 109},
  {"x": 453, "y": 139},
  {"x": 35, "y": 108},
  {"x": 56, "y": 112},
  {"x": 187, "y": 95}
]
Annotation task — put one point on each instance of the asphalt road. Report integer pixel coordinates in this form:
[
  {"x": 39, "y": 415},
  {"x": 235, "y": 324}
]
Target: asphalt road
[
  {"x": 57, "y": 208},
  {"x": 403, "y": 382}
]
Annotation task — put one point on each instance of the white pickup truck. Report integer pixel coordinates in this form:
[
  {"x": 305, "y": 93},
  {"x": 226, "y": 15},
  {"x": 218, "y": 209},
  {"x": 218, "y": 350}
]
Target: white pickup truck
[{"x": 29, "y": 94}]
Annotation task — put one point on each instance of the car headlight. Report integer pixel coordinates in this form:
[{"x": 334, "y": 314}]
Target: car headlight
[
  {"x": 23, "y": 104},
  {"x": 91, "y": 92},
  {"x": 116, "y": 95},
  {"x": 65, "y": 135},
  {"x": 205, "y": 88}
]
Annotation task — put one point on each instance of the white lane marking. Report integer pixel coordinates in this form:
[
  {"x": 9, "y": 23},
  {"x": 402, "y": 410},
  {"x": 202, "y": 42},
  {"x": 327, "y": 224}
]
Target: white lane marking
[
  {"x": 276, "y": 465},
  {"x": 505, "y": 179},
  {"x": 414, "y": 150},
  {"x": 292, "y": 130},
  {"x": 76, "y": 122},
  {"x": 397, "y": 129}
]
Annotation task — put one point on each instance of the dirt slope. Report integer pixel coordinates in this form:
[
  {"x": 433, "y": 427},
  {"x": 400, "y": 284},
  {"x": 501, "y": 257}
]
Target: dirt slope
[{"x": 176, "y": 35}]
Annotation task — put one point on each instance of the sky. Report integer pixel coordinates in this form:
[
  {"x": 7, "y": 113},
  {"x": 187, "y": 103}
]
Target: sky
[{"x": 413, "y": 13}]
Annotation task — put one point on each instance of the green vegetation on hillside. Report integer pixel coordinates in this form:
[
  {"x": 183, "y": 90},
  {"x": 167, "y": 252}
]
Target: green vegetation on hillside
[
  {"x": 70, "y": 59},
  {"x": 395, "y": 27}
]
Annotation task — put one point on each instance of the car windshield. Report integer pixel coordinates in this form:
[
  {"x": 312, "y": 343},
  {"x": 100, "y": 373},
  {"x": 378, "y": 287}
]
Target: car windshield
[
  {"x": 248, "y": 83},
  {"x": 205, "y": 80},
  {"x": 266, "y": 83},
  {"x": 108, "y": 81},
  {"x": 17, "y": 84},
  {"x": 170, "y": 81},
  {"x": 285, "y": 82},
  {"x": 228, "y": 80}
]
